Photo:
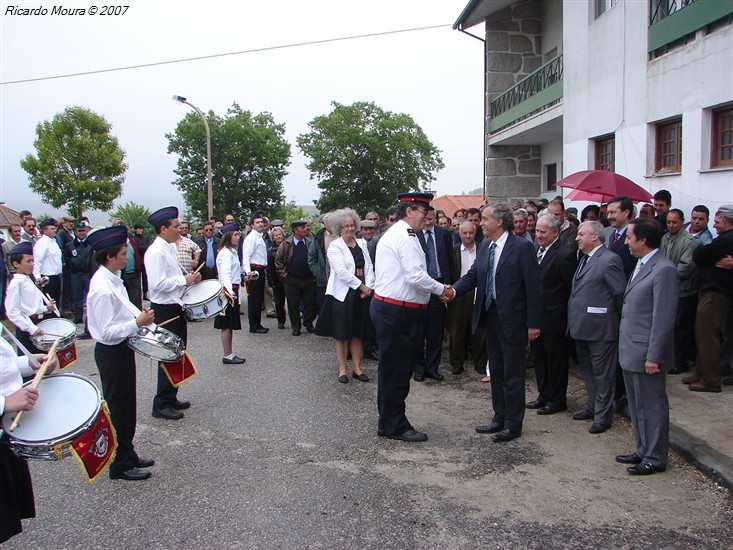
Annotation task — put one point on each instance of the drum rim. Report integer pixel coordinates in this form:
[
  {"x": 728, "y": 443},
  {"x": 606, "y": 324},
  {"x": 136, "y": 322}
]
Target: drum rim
[
  {"x": 136, "y": 337},
  {"x": 207, "y": 300}
]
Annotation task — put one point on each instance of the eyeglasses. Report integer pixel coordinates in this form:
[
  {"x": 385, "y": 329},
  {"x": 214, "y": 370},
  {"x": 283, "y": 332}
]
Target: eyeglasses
[{"x": 390, "y": 219}]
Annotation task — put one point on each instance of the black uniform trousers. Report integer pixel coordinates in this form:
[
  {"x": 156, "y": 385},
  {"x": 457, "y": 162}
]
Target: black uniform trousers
[
  {"x": 166, "y": 394},
  {"x": 296, "y": 290},
  {"x": 550, "y": 357},
  {"x": 133, "y": 284},
  {"x": 53, "y": 288},
  {"x": 255, "y": 298},
  {"x": 16, "y": 492},
  {"x": 507, "y": 367},
  {"x": 460, "y": 312},
  {"x": 429, "y": 359},
  {"x": 116, "y": 366},
  {"x": 400, "y": 332}
]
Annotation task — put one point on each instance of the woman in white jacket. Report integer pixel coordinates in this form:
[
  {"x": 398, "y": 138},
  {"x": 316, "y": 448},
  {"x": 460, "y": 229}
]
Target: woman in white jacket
[{"x": 348, "y": 291}]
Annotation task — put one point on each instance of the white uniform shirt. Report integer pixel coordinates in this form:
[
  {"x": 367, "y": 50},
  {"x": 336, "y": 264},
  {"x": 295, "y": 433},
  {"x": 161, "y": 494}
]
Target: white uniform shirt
[
  {"x": 109, "y": 318},
  {"x": 254, "y": 251},
  {"x": 47, "y": 257},
  {"x": 166, "y": 282},
  {"x": 23, "y": 300},
  {"x": 12, "y": 370},
  {"x": 227, "y": 266},
  {"x": 401, "y": 273}
]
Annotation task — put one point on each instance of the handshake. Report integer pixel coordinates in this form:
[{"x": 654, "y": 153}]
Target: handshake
[{"x": 448, "y": 294}]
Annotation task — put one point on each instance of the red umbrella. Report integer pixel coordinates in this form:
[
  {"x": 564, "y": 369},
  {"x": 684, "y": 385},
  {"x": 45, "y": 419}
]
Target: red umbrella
[{"x": 597, "y": 185}]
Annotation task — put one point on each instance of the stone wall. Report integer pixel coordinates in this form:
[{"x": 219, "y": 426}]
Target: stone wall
[{"x": 513, "y": 51}]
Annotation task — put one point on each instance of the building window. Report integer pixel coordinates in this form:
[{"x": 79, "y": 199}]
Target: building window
[
  {"x": 605, "y": 156},
  {"x": 722, "y": 137},
  {"x": 669, "y": 147},
  {"x": 550, "y": 176},
  {"x": 602, "y": 6}
]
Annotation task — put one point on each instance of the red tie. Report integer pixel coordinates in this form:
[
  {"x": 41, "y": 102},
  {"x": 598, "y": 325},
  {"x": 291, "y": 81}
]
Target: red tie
[{"x": 615, "y": 239}]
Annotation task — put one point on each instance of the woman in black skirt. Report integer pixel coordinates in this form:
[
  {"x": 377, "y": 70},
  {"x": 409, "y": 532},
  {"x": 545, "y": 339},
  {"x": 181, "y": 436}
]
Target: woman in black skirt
[
  {"x": 230, "y": 275},
  {"x": 348, "y": 291}
]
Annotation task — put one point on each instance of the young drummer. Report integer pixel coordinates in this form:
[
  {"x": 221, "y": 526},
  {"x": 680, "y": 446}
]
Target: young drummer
[
  {"x": 111, "y": 322},
  {"x": 24, "y": 303},
  {"x": 230, "y": 274},
  {"x": 16, "y": 488}
]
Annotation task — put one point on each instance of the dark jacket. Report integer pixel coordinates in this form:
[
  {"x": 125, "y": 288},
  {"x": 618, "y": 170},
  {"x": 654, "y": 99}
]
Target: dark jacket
[
  {"x": 557, "y": 270},
  {"x": 284, "y": 255},
  {"x": 711, "y": 277},
  {"x": 79, "y": 256}
]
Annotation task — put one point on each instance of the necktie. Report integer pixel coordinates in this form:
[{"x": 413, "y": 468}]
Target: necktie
[
  {"x": 541, "y": 254},
  {"x": 582, "y": 265},
  {"x": 432, "y": 262},
  {"x": 639, "y": 265},
  {"x": 210, "y": 253},
  {"x": 615, "y": 239},
  {"x": 490, "y": 277}
]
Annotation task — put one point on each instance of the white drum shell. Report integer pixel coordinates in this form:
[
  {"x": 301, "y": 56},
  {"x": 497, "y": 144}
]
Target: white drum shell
[
  {"x": 60, "y": 326},
  {"x": 204, "y": 300}
]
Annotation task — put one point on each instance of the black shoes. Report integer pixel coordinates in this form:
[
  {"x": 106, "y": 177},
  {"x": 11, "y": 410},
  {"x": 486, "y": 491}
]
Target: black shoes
[
  {"x": 457, "y": 370},
  {"x": 419, "y": 378},
  {"x": 504, "y": 436},
  {"x": 180, "y": 405},
  {"x": 583, "y": 415},
  {"x": 133, "y": 474},
  {"x": 644, "y": 469},
  {"x": 437, "y": 376},
  {"x": 628, "y": 459},
  {"x": 411, "y": 436},
  {"x": 144, "y": 462},
  {"x": 492, "y": 428},
  {"x": 260, "y": 330},
  {"x": 309, "y": 327},
  {"x": 598, "y": 428},
  {"x": 536, "y": 404},
  {"x": 344, "y": 379},
  {"x": 371, "y": 355},
  {"x": 552, "y": 409},
  {"x": 167, "y": 413},
  {"x": 361, "y": 377},
  {"x": 236, "y": 360},
  {"x": 281, "y": 325},
  {"x": 677, "y": 370},
  {"x": 296, "y": 332}
]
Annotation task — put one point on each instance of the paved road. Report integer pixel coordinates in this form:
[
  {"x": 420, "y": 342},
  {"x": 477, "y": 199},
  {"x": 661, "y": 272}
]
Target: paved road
[{"x": 276, "y": 453}]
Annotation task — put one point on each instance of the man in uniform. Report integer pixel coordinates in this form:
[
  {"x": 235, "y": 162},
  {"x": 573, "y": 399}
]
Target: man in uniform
[
  {"x": 79, "y": 261},
  {"x": 254, "y": 260},
  {"x": 165, "y": 285},
  {"x": 48, "y": 260},
  {"x": 401, "y": 294}
]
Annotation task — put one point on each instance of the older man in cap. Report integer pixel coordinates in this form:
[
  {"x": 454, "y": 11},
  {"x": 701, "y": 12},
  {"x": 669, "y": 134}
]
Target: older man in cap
[
  {"x": 399, "y": 309},
  {"x": 48, "y": 260},
  {"x": 166, "y": 282},
  {"x": 291, "y": 264}
]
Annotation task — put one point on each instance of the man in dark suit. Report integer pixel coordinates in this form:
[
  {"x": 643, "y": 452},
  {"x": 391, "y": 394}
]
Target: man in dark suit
[
  {"x": 593, "y": 316},
  {"x": 646, "y": 347},
  {"x": 620, "y": 211},
  {"x": 550, "y": 351},
  {"x": 437, "y": 244},
  {"x": 509, "y": 303},
  {"x": 209, "y": 245}
]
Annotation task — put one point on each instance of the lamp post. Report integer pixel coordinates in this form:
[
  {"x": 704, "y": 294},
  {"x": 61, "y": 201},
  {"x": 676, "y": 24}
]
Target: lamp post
[{"x": 209, "y": 188}]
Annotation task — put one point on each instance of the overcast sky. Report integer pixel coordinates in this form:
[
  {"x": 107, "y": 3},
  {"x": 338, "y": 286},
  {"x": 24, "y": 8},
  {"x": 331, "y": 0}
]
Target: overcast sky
[{"x": 433, "y": 75}]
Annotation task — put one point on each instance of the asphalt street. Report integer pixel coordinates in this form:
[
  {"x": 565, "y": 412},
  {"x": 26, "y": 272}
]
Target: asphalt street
[{"x": 276, "y": 453}]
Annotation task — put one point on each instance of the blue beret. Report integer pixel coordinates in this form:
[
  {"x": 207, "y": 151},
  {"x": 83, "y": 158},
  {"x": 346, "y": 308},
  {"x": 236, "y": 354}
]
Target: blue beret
[
  {"x": 106, "y": 237},
  {"x": 159, "y": 216},
  {"x": 22, "y": 248},
  {"x": 46, "y": 223},
  {"x": 231, "y": 226},
  {"x": 421, "y": 198}
]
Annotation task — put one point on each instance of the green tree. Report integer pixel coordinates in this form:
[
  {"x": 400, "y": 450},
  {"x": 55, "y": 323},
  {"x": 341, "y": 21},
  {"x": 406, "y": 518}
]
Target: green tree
[
  {"x": 363, "y": 156},
  {"x": 248, "y": 157},
  {"x": 131, "y": 214},
  {"x": 79, "y": 164}
]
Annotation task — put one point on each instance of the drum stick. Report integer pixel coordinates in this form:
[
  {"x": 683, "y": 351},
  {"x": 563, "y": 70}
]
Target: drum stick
[
  {"x": 40, "y": 373},
  {"x": 199, "y": 268},
  {"x": 54, "y": 335},
  {"x": 164, "y": 323},
  {"x": 49, "y": 302}
]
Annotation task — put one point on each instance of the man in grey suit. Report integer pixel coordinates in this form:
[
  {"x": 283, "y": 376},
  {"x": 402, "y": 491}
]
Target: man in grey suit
[
  {"x": 646, "y": 347},
  {"x": 593, "y": 317}
]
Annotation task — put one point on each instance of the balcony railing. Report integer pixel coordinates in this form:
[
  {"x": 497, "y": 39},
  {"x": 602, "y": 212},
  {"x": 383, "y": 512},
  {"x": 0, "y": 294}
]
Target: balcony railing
[
  {"x": 671, "y": 20},
  {"x": 659, "y": 9},
  {"x": 535, "y": 91}
]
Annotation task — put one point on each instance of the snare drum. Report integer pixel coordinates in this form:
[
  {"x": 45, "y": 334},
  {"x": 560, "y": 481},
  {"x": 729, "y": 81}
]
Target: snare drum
[
  {"x": 67, "y": 406},
  {"x": 159, "y": 344},
  {"x": 204, "y": 300},
  {"x": 56, "y": 328}
]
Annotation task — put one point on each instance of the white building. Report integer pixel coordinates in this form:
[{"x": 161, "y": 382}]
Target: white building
[{"x": 640, "y": 87}]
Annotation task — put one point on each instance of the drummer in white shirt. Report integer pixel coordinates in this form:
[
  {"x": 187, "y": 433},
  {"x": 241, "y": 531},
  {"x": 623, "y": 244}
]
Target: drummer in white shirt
[
  {"x": 16, "y": 488},
  {"x": 48, "y": 259},
  {"x": 166, "y": 283},
  {"x": 111, "y": 321}
]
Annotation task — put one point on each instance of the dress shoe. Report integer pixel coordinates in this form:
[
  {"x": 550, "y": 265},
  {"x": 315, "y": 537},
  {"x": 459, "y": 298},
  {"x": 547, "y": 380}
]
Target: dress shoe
[
  {"x": 133, "y": 474},
  {"x": 457, "y": 370},
  {"x": 260, "y": 330},
  {"x": 583, "y": 415},
  {"x": 144, "y": 462},
  {"x": 361, "y": 377},
  {"x": 551, "y": 409},
  {"x": 380, "y": 433},
  {"x": 236, "y": 360},
  {"x": 644, "y": 469},
  {"x": 419, "y": 378},
  {"x": 411, "y": 436},
  {"x": 691, "y": 379},
  {"x": 309, "y": 327},
  {"x": 536, "y": 404},
  {"x": 371, "y": 355},
  {"x": 628, "y": 459},
  {"x": 271, "y": 315},
  {"x": 492, "y": 428},
  {"x": 344, "y": 379},
  {"x": 281, "y": 325},
  {"x": 167, "y": 413},
  {"x": 437, "y": 376},
  {"x": 699, "y": 386},
  {"x": 598, "y": 428},
  {"x": 677, "y": 370},
  {"x": 296, "y": 332},
  {"x": 180, "y": 405},
  {"x": 504, "y": 436}
]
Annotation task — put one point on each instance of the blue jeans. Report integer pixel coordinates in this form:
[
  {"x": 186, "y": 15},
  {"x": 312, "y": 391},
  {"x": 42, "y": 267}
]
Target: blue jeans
[{"x": 79, "y": 290}]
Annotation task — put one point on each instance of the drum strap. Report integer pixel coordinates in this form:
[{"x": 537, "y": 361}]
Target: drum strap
[{"x": 31, "y": 358}]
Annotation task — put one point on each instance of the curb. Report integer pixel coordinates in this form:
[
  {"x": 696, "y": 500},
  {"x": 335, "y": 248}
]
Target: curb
[{"x": 713, "y": 463}]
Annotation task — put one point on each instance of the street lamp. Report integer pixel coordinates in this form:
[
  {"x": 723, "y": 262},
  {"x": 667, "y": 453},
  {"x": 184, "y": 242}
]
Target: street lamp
[{"x": 209, "y": 188}]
